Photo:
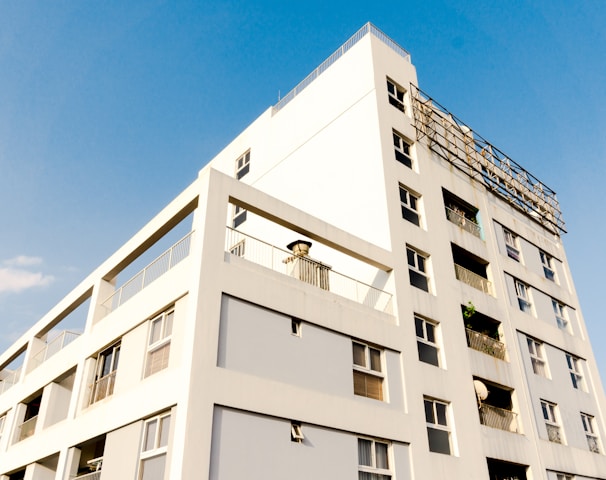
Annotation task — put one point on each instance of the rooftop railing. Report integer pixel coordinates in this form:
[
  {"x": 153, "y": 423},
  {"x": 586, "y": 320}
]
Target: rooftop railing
[
  {"x": 463, "y": 222},
  {"x": 307, "y": 270},
  {"x": 473, "y": 279},
  {"x": 355, "y": 38},
  {"x": 152, "y": 272},
  {"x": 57, "y": 344},
  {"x": 485, "y": 344},
  {"x": 10, "y": 379},
  {"x": 500, "y": 418}
]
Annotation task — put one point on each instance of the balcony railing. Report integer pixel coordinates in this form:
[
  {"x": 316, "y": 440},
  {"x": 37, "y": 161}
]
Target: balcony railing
[
  {"x": 463, "y": 222},
  {"x": 473, "y": 279},
  {"x": 89, "y": 476},
  {"x": 153, "y": 271},
  {"x": 593, "y": 444},
  {"x": 554, "y": 433},
  {"x": 103, "y": 387},
  {"x": 27, "y": 428},
  {"x": 306, "y": 269},
  {"x": 500, "y": 418},
  {"x": 55, "y": 345},
  {"x": 10, "y": 379},
  {"x": 483, "y": 343}
]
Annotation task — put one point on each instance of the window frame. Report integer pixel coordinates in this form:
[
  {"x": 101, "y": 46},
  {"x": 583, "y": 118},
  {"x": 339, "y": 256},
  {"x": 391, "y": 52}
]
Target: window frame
[
  {"x": 423, "y": 323},
  {"x": 548, "y": 268},
  {"x": 593, "y": 440},
  {"x": 435, "y": 424},
  {"x": 561, "y": 315},
  {"x": 166, "y": 319},
  {"x": 537, "y": 357},
  {"x": 402, "y": 149},
  {"x": 113, "y": 353},
  {"x": 512, "y": 245},
  {"x": 158, "y": 449},
  {"x": 367, "y": 371},
  {"x": 523, "y": 294},
  {"x": 397, "y": 97},
  {"x": 551, "y": 417},
  {"x": 243, "y": 165},
  {"x": 296, "y": 432},
  {"x": 576, "y": 371},
  {"x": 373, "y": 469},
  {"x": 418, "y": 269},
  {"x": 238, "y": 216},
  {"x": 411, "y": 204}
]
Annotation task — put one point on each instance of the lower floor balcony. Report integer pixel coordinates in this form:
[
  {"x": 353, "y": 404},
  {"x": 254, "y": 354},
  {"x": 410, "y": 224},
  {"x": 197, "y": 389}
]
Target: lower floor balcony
[{"x": 500, "y": 418}]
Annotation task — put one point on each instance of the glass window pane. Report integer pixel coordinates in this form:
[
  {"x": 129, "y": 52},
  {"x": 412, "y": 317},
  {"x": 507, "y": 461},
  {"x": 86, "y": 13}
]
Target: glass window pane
[
  {"x": 359, "y": 355},
  {"x": 441, "y": 413},
  {"x": 419, "y": 327},
  {"x": 428, "y": 354},
  {"x": 149, "y": 441},
  {"x": 375, "y": 359},
  {"x": 364, "y": 452},
  {"x": 168, "y": 328},
  {"x": 430, "y": 332},
  {"x": 439, "y": 441},
  {"x": 429, "y": 412},
  {"x": 381, "y": 455},
  {"x": 155, "y": 332},
  {"x": 411, "y": 257},
  {"x": 164, "y": 429},
  {"x": 153, "y": 468}
]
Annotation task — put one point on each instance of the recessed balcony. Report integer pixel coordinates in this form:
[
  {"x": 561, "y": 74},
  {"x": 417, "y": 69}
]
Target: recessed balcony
[
  {"x": 471, "y": 270},
  {"x": 306, "y": 269}
]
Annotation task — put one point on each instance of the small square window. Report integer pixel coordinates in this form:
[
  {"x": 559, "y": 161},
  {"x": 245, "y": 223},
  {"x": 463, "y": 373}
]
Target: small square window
[
  {"x": 547, "y": 262},
  {"x": 417, "y": 269},
  {"x": 402, "y": 148},
  {"x": 438, "y": 429},
  {"x": 427, "y": 343},
  {"x": 409, "y": 203},
  {"x": 396, "y": 95},
  {"x": 512, "y": 245}
]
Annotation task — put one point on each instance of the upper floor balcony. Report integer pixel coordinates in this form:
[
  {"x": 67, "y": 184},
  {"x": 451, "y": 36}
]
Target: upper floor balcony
[
  {"x": 495, "y": 406},
  {"x": 58, "y": 343},
  {"x": 471, "y": 270},
  {"x": 298, "y": 264},
  {"x": 462, "y": 214},
  {"x": 483, "y": 332}
]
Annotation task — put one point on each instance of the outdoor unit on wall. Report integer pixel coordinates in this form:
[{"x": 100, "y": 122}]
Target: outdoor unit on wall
[{"x": 300, "y": 265}]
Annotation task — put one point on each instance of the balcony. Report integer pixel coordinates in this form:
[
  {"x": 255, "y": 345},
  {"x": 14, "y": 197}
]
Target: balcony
[
  {"x": 306, "y": 269},
  {"x": 473, "y": 279},
  {"x": 89, "y": 476},
  {"x": 55, "y": 345},
  {"x": 500, "y": 418},
  {"x": 27, "y": 428},
  {"x": 103, "y": 387},
  {"x": 485, "y": 344},
  {"x": 171, "y": 257},
  {"x": 9, "y": 378},
  {"x": 465, "y": 223}
]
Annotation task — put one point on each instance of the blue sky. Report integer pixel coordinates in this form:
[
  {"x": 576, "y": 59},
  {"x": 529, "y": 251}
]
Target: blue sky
[{"x": 109, "y": 109}]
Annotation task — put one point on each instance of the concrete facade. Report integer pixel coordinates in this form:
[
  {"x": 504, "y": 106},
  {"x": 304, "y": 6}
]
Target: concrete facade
[{"x": 432, "y": 331}]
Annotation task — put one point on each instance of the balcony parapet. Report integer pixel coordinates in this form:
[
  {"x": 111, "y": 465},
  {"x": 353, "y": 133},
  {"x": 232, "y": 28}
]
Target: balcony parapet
[
  {"x": 485, "y": 344},
  {"x": 9, "y": 379},
  {"x": 463, "y": 222},
  {"x": 500, "y": 418},
  {"x": 307, "y": 270},
  {"x": 473, "y": 279},
  {"x": 57, "y": 344},
  {"x": 27, "y": 428}
]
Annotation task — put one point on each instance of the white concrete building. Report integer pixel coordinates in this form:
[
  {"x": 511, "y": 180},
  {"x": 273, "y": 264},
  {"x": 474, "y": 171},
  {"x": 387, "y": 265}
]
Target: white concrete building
[{"x": 432, "y": 331}]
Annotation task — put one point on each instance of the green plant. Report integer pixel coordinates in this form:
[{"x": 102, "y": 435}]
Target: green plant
[{"x": 469, "y": 311}]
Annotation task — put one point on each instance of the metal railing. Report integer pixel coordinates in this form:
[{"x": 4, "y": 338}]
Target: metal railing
[
  {"x": 473, "y": 279},
  {"x": 355, "y": 38},
  {"x": 593, "y": 444},
  {"x": 11, "y": 379},
  {"x": 27, "y": 428},
  {"x": 463, "y": 222},
  {"x": 485, "y": 344},
  {"x": 500, "y": 418},
  {"x": 89, "y": 476},
  {"x": 57, "y": 344},
  {"x": 306, "y": 269},
  {"x": 103, "y": 387},
  {"x": 554, "y": 433},
  {"x": 151, "y": 272}
]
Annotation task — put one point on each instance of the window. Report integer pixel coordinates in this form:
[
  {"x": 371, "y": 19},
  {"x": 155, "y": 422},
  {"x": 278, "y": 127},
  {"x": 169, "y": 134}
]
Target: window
[
  {"x": 438, "y": 431},
  {"x": 417, "y": 269},
  {"x": 560, "y": 313},
  {"x": 396, "y": 95},
  {"x": 523, "y": 293},
  {"x": 547, "y": 261},
  {"x": 296, "y": 433},
  {"x": 373, "y": 460},
  {"x": 367, "y": 371},
  {"x": 511, "y": 245},
  {"x": 158, "y": 345},
  {"x": 239, "y": 216},
  {"x": 590, "y": 432},
  {"x": 243, "y": 165},
  {"x": 551, "y": 421},
  {"x": 105, "y": 376},
  {"x": 535, "y": 349},
  {"x": 154, "y": 447},
  {"x": 295, "y": 327},
  {"x": 576, "y": 375},
  {"x": 427, "y": 341},
  {"x": 402, "y": 149},
  {"x": 563, "y": 476},
  {"x": 410, "y": 205}
]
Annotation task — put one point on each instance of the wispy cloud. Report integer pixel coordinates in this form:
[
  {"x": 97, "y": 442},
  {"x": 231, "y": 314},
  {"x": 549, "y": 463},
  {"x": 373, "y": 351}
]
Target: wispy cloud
[
  {"x": 15, "y": 276},
  {"x": 23, "y": 261}
]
